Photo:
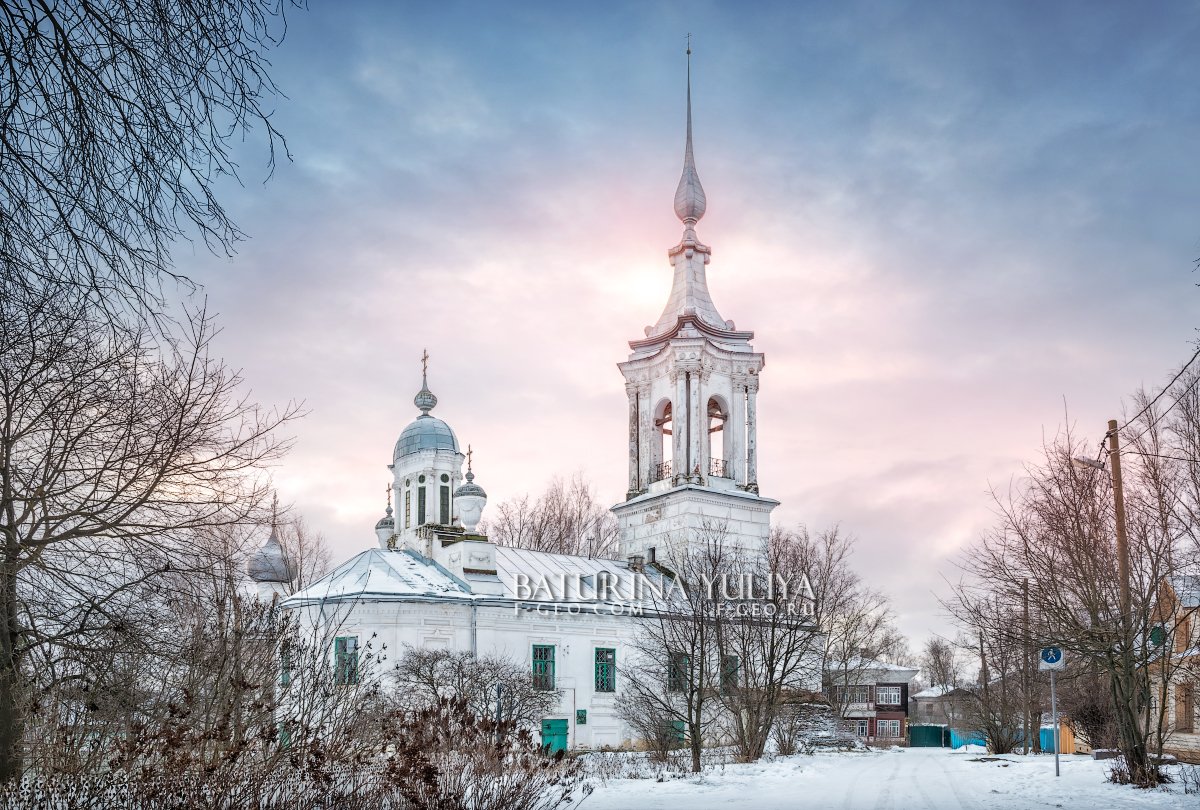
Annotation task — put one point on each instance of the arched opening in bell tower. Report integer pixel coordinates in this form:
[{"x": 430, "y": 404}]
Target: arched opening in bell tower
[
  {"x": 660, "y": 451},
  {"x": 718, "y": 438}
]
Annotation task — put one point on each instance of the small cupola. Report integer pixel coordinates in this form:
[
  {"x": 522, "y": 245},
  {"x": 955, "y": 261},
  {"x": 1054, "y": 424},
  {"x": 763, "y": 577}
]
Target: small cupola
[
  {"x": 385, "y": 528},
  {"x": 470, "y": 499}
]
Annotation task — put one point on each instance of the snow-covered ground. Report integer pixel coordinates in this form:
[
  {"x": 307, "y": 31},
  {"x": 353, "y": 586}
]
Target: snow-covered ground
[{"x": 904, "y": 779}]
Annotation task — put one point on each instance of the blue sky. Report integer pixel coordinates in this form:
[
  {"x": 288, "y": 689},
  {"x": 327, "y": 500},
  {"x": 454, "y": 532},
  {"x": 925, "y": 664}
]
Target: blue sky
[{"x": 951, "y": 225}]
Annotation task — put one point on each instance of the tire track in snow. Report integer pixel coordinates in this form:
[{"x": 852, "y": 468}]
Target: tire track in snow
[
  {"x": 886, "y": 800},
  {"x": 962, "y": 802}
]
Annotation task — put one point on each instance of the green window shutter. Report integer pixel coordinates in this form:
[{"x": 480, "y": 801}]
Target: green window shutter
[
  {"x": 345, "y": 660},
  {"x": 581, "y": 717},
  {"x": 606, "y": 669},
  {"x": 678, "y": 666},
  {"x": 543, "y": 666},
  {"x": 730, "y": 664},
  {"x": 285, "y": 665},
  {"x": 444, "y": 506}
]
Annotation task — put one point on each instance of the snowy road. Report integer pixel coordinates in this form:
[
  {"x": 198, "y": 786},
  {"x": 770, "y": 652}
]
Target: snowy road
[{"x": 901, "y": 779}]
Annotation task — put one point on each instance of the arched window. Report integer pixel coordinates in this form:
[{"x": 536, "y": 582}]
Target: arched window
[
  {"x": 660, "y": 449},
  {"x": 718, "y": 439}
]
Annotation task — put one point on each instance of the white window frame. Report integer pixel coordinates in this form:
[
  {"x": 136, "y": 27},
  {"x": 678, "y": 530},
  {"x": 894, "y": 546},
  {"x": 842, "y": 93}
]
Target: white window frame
[
  {"x": 887, "y": 729},
  {"x": 890, "y": 691},
  {"x": 862, "y": 727}
]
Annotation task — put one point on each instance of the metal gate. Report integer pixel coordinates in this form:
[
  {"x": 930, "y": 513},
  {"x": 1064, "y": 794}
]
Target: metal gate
[{"x": 554, "y": 735}]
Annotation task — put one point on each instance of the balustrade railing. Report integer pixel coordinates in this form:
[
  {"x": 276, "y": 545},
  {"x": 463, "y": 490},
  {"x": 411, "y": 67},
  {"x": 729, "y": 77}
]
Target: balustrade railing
[
  {"x": 662, "y": 471},
  {"x": 719, "y": 468}
]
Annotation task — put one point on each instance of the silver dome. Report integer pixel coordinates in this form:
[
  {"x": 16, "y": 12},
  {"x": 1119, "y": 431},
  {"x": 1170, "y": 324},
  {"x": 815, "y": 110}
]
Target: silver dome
[
  {"x": 269, "y": 563},
  {"x": 470, "y": 488},
  {"x": 387, "y": 521},
  {"x": 425, "y": 433}
]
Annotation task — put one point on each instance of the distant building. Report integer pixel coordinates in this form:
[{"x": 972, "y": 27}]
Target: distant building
[
  {"x": 941, "y": 705},
  {"x": 871, "y": 699},
  {"x": 1177, "y": 630}
]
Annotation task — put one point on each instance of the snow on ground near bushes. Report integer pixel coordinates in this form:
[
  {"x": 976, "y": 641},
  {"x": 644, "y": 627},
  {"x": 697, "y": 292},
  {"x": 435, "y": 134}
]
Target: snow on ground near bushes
[{"x": 903, "y": 779}]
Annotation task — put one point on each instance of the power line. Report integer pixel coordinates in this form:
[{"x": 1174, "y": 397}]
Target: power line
[
  {"x": 1165, "y": 389},
  {"x": 1159, "y": 396}
]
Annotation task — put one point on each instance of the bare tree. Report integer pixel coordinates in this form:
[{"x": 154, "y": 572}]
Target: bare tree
[
  {"x": 306, "y": 552},
  {"x": 770, "y": 647},
  {"x": 855, "y": 621},
  {"x": 116, "y": 123},
  {"x": 114, "y": 452},
  {"x": 1057, "y": 532},
  {"x": 673, "y": 673},
  {"x": 565, "y": 519},
  {"x": 941, "y": 664},
  {"x": 424, "y": 677}
]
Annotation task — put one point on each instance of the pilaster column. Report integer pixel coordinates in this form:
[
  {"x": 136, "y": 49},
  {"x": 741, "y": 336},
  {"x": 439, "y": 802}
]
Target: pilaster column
[
  {"x": 634, "y": 422},
  {"x": 736, "y": 425},
  {"x": 679, "y": 423},
  {"x": 646, "y": 436},
  {"x": 698, "y": 469},
  {"x": 751, "y": 436}
]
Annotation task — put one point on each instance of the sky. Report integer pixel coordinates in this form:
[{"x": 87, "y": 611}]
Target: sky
[{"x": 953, "y": 227}]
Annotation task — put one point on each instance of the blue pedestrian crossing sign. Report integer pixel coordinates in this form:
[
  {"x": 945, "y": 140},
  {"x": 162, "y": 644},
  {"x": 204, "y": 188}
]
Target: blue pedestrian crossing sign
[{"x": 1051, "y": 658}]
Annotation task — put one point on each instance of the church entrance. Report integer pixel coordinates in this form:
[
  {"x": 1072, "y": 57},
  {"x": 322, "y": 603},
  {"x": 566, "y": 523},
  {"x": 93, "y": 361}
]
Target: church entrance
[{"x": 554, "y": 735}]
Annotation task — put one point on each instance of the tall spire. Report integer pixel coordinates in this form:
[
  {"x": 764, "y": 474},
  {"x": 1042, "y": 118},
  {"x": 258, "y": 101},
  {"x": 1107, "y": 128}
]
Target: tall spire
[
  {"x": 425, "y": 400},
  {"x": 689, "y": 289},
  {"x": 689, "y": 196}
]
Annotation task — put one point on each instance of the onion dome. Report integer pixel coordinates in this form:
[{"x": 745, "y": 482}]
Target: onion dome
[
  {"x": 387, "y": 521},
  {"x": 425, "y": 400},
  {"x": 270, "y": 563},
  {"x": 425, "y": 432}
]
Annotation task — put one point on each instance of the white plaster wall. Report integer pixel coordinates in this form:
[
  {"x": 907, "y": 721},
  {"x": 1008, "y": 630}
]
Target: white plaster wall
[{"x": 504, "y": 631}]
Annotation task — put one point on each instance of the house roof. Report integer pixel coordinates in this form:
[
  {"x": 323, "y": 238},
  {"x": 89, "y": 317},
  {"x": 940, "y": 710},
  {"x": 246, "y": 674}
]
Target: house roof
[
  {"x": 859, "y": 668},
  {"x": 1187, "y": 590}
]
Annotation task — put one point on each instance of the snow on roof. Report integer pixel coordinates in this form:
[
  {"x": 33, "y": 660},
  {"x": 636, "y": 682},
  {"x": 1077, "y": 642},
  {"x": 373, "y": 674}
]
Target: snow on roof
[
  {"x": 938, "y": 691},
  {"x": 859, "y": 667},
  {"x": 1187, "y": 590},
  {"x": 538, "y": 564},
  {"x": 379, "y": 574}
]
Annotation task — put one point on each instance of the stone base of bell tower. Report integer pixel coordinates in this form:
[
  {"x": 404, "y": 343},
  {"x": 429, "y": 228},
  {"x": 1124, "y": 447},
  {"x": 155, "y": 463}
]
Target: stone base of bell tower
[{"x": 663, "y": 522}]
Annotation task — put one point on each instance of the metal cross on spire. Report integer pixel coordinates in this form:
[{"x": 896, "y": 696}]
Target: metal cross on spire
[
  {"x": 389, "y": 496},
  {"x": 424, "y": 362},
  {"x": 469, "y": 451}
]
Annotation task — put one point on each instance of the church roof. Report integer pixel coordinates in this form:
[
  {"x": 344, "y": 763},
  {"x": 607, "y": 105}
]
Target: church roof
[
  {"x": 381, "y": 575},
  {"x": 425, "y": 433},
  {"x": 270, "y": 563}
]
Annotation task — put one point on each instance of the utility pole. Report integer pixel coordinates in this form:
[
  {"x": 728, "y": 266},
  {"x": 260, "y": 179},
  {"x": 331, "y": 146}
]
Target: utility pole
[
  {"x": 1114, "y": 457},
  {"x": 1127, "y": 665},
  {"x": 1026, "y": 662}
]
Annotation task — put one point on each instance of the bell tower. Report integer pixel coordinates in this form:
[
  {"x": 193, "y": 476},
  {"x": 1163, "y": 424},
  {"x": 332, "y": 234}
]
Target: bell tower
[{"x": 692, "y": 383}]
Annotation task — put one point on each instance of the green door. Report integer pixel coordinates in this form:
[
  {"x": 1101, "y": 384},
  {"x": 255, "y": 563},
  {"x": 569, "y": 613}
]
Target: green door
[{"x": 554, "y": 735}]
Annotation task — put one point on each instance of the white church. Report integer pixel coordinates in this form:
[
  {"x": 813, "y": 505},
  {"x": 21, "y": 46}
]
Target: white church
[{"x": 434, "y": 581}]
